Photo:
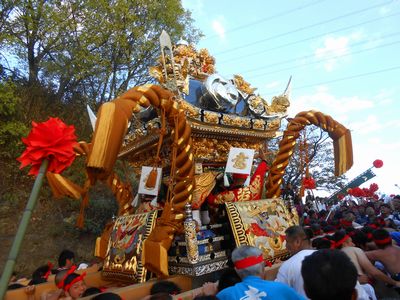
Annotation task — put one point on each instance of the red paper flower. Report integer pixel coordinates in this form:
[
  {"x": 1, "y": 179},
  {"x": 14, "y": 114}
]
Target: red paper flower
[
  {"x": 373, "y": 187},
  {"x": 356, "y": 192},
  {"x": 309, "y": 183},
  {"x": 52, "y": 140},
  {"x": 340, "y": 196},
  {"x": 378, "y": 163}
]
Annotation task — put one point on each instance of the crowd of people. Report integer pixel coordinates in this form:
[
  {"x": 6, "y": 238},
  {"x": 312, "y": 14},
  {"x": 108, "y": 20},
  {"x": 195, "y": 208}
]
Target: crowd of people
[{"x": 341, "y": 254}]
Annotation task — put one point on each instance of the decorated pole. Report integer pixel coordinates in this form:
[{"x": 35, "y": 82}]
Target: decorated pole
[
  {"x": 49, "y": 147},
  {"x": 12, "y": 256}
]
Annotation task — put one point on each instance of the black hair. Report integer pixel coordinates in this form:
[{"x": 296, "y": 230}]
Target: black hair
[
  {"x": 320, "y": 272},
  {"x": 165, "y": 286},
  {"x": 296, "y": 231},
  {"x": 161, "y": 296},
  {"x": 328, "y": 228},
  {"x": 360, "y": 239},
  {"x": 368, "y": 232},
  {"x": 64, "y": 255},
  {"x": 381, "y": 234},
  {"x": 338, "y": 236},
  {"x": 38, "y": 276},
  {"x": 14, "y": 286},
  {"x": 228, "y": 278},
  {"x": 309, "y": 232},
  {"x": 321, "y": 243},
  {"x": 69, "y": 279},
  {"x": 107, "y": 296},
  {"x": 323, "y": 223},
  {"x": 205, "y": 298},
  {"x": 91, "y": 291}
]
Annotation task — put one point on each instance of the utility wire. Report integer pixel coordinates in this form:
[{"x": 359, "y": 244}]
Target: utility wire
[
  {"x": 310, "y": 38},
  {"x": 343, "y": 78},
  {"x": 301, "y": 29},
  {"x": 281, "y": 14},
  {"x": 313, "y": 55},
  {"x": 323, "y": 60}
]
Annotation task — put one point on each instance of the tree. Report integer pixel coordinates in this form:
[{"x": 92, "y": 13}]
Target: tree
[
  {"x": 319, "y": 150},
  {"x": 95, "y": 48}
]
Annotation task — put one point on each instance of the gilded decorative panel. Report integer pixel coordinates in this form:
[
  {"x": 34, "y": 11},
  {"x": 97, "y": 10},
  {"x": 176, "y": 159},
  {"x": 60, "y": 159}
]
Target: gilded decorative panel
[
  {"x": 124, "y": 260},
  {"x": 262, "y": 224}
]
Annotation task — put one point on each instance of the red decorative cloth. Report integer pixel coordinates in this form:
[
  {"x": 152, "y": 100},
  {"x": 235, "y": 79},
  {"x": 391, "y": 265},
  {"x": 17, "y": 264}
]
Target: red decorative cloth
[
  {"x": 52, "y": 140},
  {"x": 249, "y": 193},
  {"x": 378, "y": 163}
]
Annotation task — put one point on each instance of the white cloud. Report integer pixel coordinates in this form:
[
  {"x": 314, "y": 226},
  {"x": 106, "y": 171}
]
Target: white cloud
[
  {"x": 323, "y": 101},
  {"x": 218, "y": 27},
  {"x": 372, "y": 124},
  {"x": 336, "y": 48},
  {"x": 333, "y": 49}
]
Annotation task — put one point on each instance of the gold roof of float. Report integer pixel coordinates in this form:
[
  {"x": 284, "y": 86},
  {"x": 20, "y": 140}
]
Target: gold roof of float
[{"x": 222, "y": 113}]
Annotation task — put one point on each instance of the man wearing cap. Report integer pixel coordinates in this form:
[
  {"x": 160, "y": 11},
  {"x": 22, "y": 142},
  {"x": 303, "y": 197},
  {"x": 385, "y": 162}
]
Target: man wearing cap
[
  {"x": 387, "y": 254},
  {"x": 249, "y": 265}
]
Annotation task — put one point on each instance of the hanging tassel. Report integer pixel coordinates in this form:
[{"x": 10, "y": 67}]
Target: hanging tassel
[
  {"x": 61, "y": 186},
  {"x": 152, "y": 179},
  {"x": 80, "y": 221},
  {"x": 226, "y": 181},
  {"x": 135, "y": 200}
]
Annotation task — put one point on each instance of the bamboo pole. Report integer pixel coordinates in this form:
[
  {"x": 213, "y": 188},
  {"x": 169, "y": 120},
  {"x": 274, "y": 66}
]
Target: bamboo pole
[{"x": 26, "y": 216}]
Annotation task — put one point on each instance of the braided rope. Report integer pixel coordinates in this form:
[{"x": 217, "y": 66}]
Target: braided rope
[{"x": 286, "y": 146}]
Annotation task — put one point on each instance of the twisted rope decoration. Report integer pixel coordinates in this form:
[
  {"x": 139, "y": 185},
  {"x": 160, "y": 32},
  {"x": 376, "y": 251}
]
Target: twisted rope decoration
[
  {"x": 111, "y": 127},
  {"x": 342, "y": 145}
]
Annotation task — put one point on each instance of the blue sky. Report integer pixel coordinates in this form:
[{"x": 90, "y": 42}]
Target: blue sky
[{"x": 344, "y": 57}]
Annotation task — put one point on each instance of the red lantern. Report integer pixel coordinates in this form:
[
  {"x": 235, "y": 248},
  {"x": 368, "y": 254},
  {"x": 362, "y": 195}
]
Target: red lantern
[
  {"x": 309, "y": 183},
  {"x": 378, "y": 163}
]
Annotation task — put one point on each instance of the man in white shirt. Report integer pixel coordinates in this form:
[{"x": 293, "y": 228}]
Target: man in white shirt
[{"x": 299, "y": 246}]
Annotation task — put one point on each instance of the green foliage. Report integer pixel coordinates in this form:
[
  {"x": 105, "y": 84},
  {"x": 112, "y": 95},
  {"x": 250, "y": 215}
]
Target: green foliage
[
  {"x": 94, "y": 48},
  {"x": 102, "y": 207},
  {"x": 11, "y": 130}
]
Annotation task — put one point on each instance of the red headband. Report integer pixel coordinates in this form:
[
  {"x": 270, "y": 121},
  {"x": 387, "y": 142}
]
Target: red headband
[
  {"x": 340, "y": 242},
  {"x": 75, "y": 280},
  {"x": 69, "y": 272},
  {"x": 384, "y": 241},
  {"x": 248, "y": 262},
  {"x": 46, "y": 276}
]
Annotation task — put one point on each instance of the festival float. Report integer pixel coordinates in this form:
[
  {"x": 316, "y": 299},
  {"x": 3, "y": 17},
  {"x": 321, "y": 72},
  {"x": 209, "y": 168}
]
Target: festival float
[{"x": 192, "y": 139}]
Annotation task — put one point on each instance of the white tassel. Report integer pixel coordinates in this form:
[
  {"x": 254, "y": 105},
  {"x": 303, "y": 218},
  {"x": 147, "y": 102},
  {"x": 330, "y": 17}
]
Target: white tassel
[
  {"x": 247, "y": 182},
  {"x": 226, "y": 181},
  {"x": 135, "y": 200}
]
